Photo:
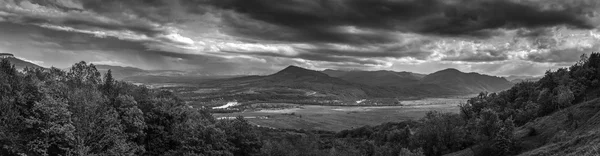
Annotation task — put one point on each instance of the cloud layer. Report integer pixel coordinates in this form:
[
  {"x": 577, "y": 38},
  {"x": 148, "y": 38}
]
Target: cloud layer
[{"x": 503, "y": 37}]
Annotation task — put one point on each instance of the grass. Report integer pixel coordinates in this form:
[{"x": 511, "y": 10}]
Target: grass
[
  {"x": 336, "y": 118},
  {"x": 559, "y": 138}
]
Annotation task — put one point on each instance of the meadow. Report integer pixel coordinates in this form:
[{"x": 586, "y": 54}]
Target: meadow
[{"x": 337, "y": 118}]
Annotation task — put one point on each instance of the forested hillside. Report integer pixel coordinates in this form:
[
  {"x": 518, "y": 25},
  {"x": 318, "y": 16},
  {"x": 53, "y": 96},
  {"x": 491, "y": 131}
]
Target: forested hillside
[
  {"x": 441, "y": 83},
  {"x": 78, "y": 112},
  {"x": 557, "y": 115}
]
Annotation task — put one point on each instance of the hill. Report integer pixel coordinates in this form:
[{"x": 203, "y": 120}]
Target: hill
[
  {"x": 137, "y": 75},
  {"x": 572, "y": 131},
  {"x": 440, "y": 83},
  {"x": 517, "y": 79},
  {"x": 296, "y": 84},
  {"x": 556, "y": 115},
  {"x": 120, "y": 72},
  {"x": 291, "y": 82},
  {"x": 459, "y": 82},
  {"x": 21, "y": 64}
]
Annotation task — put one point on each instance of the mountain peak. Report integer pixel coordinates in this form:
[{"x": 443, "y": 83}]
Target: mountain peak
[
  {"x": 454, "y": 70},
  {"x": 299, "y": 71},
  {"x": 293, "y": 67}
]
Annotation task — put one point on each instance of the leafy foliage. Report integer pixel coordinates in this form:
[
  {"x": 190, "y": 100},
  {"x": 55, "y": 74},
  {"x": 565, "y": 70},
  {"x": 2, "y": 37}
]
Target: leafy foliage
[
  {"x": 77, "y": 112},
  {"x": 492, "y": 117}
]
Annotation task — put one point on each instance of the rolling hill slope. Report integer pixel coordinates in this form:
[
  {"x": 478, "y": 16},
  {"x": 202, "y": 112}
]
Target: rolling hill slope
[
  {"x": 573, "y": 131},
  {"x": 303, "y": 84},
  {"x": 119, "y": 72},
  {"x": 137, "y": 75},
  {"x": 459, "y": 82},
  {"x": 21, "y": 64},
  {"x": 444, "y": 82},
  {"x": 303, "y": 81}
]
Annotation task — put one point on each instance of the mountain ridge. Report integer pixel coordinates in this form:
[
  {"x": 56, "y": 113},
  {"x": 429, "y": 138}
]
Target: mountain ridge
[
  {"x": 446, "y": 81},
  {"x": 21, "y": 64},
  {"x": 348, "y": 85},
  {"x": 459, "y": 81}
]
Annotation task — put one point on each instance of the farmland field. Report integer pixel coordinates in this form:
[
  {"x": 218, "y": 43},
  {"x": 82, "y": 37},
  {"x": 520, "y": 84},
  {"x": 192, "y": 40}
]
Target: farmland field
[{"x": 336, "y": 118}]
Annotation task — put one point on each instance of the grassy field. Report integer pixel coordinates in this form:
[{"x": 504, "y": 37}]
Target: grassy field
[{"x": 336, "y": 118}]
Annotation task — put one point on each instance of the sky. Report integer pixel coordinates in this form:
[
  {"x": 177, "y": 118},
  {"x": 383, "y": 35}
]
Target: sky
[{"x": 233, "y": 37}]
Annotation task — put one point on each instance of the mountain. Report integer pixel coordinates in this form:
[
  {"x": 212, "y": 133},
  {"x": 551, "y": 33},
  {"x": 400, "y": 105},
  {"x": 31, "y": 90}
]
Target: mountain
[
  {"x": 137, "y": 75},
  {"x": 119, "y": 72},
  {"x": 444, "y": 82},
  {"x": 377, "y": 78},
  {"x": 293, "y": 80},
  {"x": 468, "y": 83},
  {"x": 517, "y": 79},
  {"x": 294, "y": 72},
  {"x": 21, "y": 64},
  {"x": 296, "y": 84}
]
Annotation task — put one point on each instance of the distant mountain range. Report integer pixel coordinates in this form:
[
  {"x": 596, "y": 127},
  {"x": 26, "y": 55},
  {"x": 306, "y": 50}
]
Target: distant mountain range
[
  {"x": 517, "y": 79},
  {"x": 444, "y": 82},
  {"x": 339, "y": 84},
  {"x": 293, "y": 80},
  {"x": 119, "y": 72},
  {"x": 336, "y": 84},
  {"x": 138, "y": 75},
  {"x": 458, "y": 82}
]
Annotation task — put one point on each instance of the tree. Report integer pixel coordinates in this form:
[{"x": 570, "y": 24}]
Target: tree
[
  {"x": 242, "y": 135},
  {"x": 441, "y": 133},
  {"x": 407, "y": 152},
  {"x": 564, "y": 96},
  {"x": 83, "y": 74},
  {"x": 50, "y": 127},
  {"x": 504, "y": 142}
]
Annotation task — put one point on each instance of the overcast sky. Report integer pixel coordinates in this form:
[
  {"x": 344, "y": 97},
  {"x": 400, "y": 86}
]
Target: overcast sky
[{"x": 498, "y": 37}]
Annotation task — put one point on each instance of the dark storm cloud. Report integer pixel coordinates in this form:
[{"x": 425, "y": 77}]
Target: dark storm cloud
[
  {"x": 161, "y": 11},
  {"x": 320, "y": 21},
  {"x": 148, "y": 18},
  {"x": 240, "y": 25},
  {"x": 258, "y": 35}
]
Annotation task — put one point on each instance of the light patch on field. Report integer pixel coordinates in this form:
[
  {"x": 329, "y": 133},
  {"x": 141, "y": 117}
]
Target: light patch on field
[
  {"x": 229, "y": 104},
  {"x": 337, "y": 118},
  {"x": 206, "y": 90},
  {"x": 352, "y": 109},
  {"x": 435, "y": 101},
  {"x": 289, "y": 110}
]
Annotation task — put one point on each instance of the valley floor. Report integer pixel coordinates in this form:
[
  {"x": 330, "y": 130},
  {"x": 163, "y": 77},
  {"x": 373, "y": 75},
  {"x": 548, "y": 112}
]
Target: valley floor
[{"x": 337, "y": 118}]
